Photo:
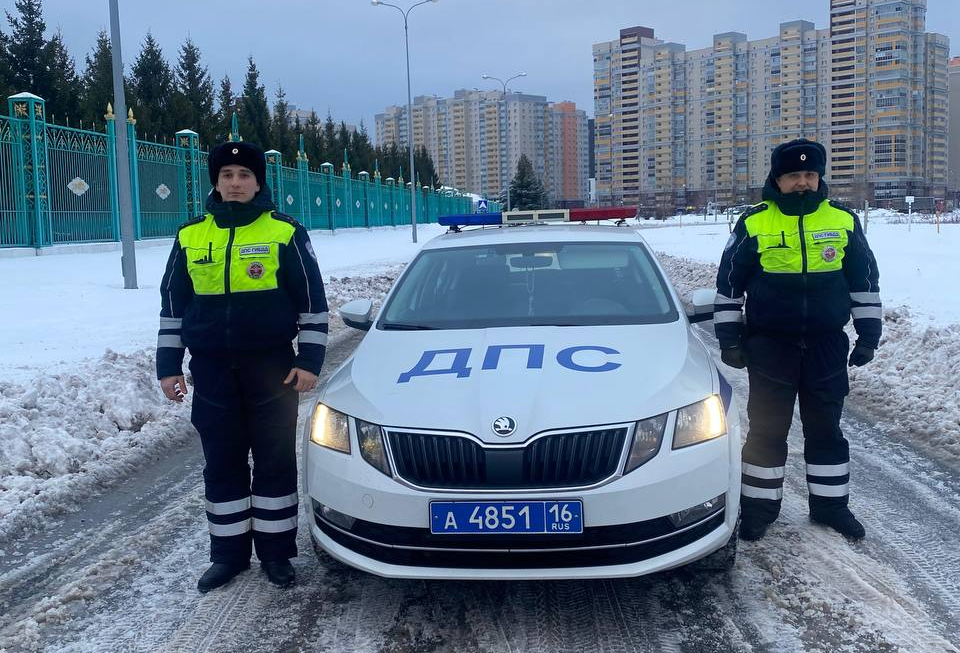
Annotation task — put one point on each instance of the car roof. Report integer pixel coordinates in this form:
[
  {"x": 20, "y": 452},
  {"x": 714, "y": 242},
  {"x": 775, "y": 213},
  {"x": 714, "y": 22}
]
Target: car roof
[{"x": 535, "y": 234}]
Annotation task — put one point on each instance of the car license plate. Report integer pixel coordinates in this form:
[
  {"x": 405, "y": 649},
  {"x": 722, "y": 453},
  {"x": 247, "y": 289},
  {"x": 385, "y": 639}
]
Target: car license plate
[{"x": 473, "y": 517}]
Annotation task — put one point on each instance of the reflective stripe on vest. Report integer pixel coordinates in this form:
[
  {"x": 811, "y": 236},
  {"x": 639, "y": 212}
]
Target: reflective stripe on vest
[
  {"x": 254, "y": 254},
  {"x": 825, "y": 234}
]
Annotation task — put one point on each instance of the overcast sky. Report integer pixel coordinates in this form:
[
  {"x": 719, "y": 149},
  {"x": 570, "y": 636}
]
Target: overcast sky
[{"x": 347, "y": 57}]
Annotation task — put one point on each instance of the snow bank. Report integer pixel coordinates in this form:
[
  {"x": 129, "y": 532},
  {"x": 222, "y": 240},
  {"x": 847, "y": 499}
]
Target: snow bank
[
  {"x": 71, "y": 435},
  {"x": 913, "y": 383}
]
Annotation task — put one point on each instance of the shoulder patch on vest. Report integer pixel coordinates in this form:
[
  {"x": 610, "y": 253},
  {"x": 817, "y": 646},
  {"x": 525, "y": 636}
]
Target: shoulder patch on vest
[
  {"x": 762, "y": 206},
  {"x": 843, "y": 207},
  {"x": 196, "y": 220},
  {"x": 283, "y": 217}
]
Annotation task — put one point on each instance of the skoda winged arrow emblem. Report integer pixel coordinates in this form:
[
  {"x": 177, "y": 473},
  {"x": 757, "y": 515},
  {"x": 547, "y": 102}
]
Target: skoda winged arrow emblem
[{"x": 504, "y": 426}]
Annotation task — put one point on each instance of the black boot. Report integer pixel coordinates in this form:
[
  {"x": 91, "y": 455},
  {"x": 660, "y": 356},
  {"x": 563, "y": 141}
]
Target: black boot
[
  {"x": 218, "y": 575},
  {"x": 840, "y": 520},
  {"x": 279, "y": 572},
  {"x": 752, "y": 529}
]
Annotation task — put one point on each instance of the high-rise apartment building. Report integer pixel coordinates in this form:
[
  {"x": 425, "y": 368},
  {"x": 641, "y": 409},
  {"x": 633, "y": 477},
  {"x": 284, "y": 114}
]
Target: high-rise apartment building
[
  {"x": 677, "y": 127},
  {"x": 953, "y": 156},
  {"x": 477, "y": 137}
]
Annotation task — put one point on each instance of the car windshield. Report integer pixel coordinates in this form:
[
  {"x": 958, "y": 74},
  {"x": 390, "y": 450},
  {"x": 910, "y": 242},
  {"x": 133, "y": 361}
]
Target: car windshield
[{"x": 530, "y": 284}]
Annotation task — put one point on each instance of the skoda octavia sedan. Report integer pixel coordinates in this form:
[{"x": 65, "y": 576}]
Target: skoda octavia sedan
[{"x": 529, "y": 402}]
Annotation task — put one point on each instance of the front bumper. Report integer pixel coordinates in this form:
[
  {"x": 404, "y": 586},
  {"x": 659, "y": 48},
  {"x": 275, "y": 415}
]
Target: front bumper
[{"x": 626, "y": 531}]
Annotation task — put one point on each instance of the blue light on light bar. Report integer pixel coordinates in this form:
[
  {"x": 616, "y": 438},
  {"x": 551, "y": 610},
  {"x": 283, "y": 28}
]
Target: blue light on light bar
[{"x": 471, "y": 220}]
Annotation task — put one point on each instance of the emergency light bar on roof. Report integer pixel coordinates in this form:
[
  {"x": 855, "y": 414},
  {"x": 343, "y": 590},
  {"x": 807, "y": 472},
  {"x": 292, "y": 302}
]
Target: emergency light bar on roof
[{"x": 618, "y": 213}]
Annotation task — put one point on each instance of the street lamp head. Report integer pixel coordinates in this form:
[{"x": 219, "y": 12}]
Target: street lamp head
[
  {"x": 484, "y": 76},
  {"x": 374, "y": 2},
  {"x": 522, "y": 75}
]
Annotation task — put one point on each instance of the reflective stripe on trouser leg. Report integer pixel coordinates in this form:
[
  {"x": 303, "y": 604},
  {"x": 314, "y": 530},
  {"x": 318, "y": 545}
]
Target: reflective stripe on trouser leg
[
  {"x": 272, "y": 420},
  {"x": 823, "y": 387},
  {"x": 217, "y": 413},
  {"x": 774, "y": 367}
]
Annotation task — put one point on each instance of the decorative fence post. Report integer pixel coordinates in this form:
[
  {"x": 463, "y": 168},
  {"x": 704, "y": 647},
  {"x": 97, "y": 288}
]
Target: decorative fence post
[
  {"x": 391, "y": 201},
  {"x": 303, "y": 180},
  {"x": 377, "y": 194},
  {"x": 189, "y": 143},
  {"x": 30, "y": 156},
  {"x": 348, "y": 191},
  {"x": 134, "y": 173},
  {"x": 364, "y": 179},
  {"x": 110, "y": 122},
  {"x": 275, "y": 176},
  {"x": 326, "y": 170}
]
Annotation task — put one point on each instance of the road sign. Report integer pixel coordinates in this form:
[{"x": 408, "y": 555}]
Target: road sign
[
  {"x": 482, "y": 206},
  {"x": 908, "y": 199}
]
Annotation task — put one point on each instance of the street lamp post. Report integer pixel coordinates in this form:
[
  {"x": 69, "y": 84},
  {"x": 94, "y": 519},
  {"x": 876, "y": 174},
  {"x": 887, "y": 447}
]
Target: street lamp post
[
  {"x": 413, "y": 173},
  {"x": 507, "y": 117},
  {"x": 128, "y": 257}
]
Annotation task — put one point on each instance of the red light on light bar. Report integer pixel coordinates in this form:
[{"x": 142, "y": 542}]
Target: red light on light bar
[{"x": 603, "y": 213}]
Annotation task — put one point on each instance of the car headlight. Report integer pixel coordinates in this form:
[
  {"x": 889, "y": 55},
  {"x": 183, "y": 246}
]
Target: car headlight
[
  {"x": 699, "y": 422},
  {"x": 371, "y": 445},
  {"x": 646, "y": 441},
  {"x": 330, "y": 429}
]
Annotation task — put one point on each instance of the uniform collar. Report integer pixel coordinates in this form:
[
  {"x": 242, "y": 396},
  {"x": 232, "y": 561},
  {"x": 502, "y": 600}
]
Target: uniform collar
[
  {"x": 803, "y": 203},
  {"x": 239, "y": 214}
]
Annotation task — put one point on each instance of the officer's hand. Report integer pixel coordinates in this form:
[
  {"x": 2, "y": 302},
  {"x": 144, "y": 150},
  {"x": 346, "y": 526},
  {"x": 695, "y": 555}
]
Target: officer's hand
[
  {"x": 861, "y": 355},
  {"x": 174, "y": 387},
  {"x": 303, "y": 380},
  {"x": 734, "y": 357}
]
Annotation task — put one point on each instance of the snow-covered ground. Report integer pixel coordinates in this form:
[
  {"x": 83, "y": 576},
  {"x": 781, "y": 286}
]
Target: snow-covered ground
[{"x": 79, "y": 405}]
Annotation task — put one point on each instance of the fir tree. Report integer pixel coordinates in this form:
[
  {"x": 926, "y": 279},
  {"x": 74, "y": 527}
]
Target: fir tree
[
  {"x": 526, "y": 189},
  {"x": 254, "y": 112},
  {"x": 228, "y": 105},
  {"x": 361, "y": 150},
  {"x": 329, "y": 140},
  {"x": 195, "y": 91},
  {"x": 424, "y": 165},
  {"x": 6, "y": 74},
  {"x": 97, "y": 85},
  {"x": 313, "y": 139},
  {"x": 281, "y": 136},
  {"x": 63, "y": 94},
  {"x": 152, "y": 87},
  {"x": 27, "y": 51}
]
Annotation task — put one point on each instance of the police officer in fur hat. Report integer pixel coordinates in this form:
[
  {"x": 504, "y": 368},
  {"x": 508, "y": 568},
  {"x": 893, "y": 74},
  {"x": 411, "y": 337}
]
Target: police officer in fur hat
[
  {"x": 795, "y": 270},
  {"x": 241, "y": 283}
]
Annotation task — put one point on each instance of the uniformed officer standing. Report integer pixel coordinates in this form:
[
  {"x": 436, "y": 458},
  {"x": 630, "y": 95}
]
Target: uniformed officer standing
[
  {"x": 804, "y": 264},
  {"x": 241, "y": 283}
]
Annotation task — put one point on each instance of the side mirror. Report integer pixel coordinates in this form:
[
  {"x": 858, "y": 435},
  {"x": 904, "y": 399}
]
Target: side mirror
[
  {"x": 356, "y": 314},
  {"x": 701, "y": 305}
]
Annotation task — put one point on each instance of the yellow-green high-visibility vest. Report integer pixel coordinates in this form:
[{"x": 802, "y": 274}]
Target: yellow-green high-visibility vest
[
  {"x": 789, "y": 244},
  {"x": 237, "y": 259}
]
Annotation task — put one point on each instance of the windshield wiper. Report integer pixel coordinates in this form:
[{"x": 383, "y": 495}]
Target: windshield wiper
[{"x": 400, "y": 326}]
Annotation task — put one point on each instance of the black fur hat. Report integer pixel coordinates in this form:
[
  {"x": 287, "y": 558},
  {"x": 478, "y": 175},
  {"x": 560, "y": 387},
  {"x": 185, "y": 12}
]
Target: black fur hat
[
  {"x": 243, "y": 154},
  {"x": 796, "y": 155}
]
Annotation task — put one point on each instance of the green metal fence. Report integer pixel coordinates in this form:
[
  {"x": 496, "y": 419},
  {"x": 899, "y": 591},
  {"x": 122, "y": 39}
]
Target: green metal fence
[
  {"x": 80, "y": 186},
  {"x": 58, "y": 184}
]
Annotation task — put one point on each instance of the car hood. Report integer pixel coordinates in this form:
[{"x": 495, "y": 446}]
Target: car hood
[{"x": 542, "y": 377}]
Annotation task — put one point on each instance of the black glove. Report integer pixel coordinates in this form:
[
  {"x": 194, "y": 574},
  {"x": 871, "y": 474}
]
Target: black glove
[
  {"x": 861, "y": 355},
  {"x": 734, "y": 357}
]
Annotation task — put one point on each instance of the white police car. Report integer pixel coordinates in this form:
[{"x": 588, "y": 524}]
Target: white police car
[{"x": 530, "y": 402}]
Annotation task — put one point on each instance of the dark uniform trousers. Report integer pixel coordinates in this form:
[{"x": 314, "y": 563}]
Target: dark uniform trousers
[
  {"x": 781, "y": 369},
  {"x": 242, "y": 406}
]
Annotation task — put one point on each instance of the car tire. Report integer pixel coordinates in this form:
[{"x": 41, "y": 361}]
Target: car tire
[{"x": 723, "y": 559}]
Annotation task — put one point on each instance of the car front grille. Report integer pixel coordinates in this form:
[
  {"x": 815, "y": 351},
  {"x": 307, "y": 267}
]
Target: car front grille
[{"x": 455, "y": 462}]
